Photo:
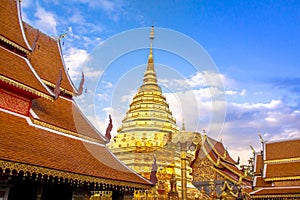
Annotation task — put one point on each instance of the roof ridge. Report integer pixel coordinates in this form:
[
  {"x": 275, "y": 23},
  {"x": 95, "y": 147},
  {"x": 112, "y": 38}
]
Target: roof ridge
[
  {"x": 226, "y": 154},
  {"x": 13, "y": 31},
  {"x": 54, "y": 47}
]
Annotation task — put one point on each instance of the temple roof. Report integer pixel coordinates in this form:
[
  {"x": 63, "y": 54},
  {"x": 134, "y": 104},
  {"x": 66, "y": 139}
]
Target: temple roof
[
  {"x": 37, "y": 146},
  {"x": 54, "y": 138},
  {"x": 11, "y": 31},
  {"x": 47, "y": 59},
  {"x": 222, "y": 162},
  {"x": 279, "y": 166},
  {"x": 69, "y": 118},
  {"x": 12, "y": 71},
  {"x": 282, "y": 171},
  {"x": 258, "y": 181},
  {"x": 282, "y": 160},
  {"x": 276, "y": 192},
  {"x": 258, "y": 163},
  {"x": 286, "y": 149},
  {"x": 218, "y": 149}
]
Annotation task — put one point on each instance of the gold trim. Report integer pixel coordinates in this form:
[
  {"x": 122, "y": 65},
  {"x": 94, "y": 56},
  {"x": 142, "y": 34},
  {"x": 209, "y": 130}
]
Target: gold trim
[
  {"x": 282, "y": 178},
  {"x": 56, "y": 128},
  {"x": 215, "y": 150},
  {"x": 240, "y": 175},
  {"x": 14, "y": 44},
  {"x": 69, "y": 175},
  {"x": 274, "y": 196},
  {"x": 227, "y": 177},
  {"x": 282, "y": 160},
  {"x": 25, "y": 87},
  {"x": 62, "y": 89}
]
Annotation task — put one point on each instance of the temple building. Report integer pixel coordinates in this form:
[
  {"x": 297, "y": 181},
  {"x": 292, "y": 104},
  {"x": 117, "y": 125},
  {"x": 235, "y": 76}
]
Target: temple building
[
  {"x": 277, "y": 170},
  {"x": 215, "y": 172},
  {"x": 187, "y": 164},
  {"x": 147, "y": 131},
  {"x": 48, "y": 149}
]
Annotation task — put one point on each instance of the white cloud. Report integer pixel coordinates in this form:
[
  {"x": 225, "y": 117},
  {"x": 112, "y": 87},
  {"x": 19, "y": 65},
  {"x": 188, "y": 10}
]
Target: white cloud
[
  {"x": 26, "y": 4},
  {"x": 113, "y": 8},
  {"x": 92, "y": 73},
  {"x": 46, "y": 21},
  {"x": 231, "y": 92},
  {"x": 288, "y": 133},
  {"x": 74, "y": 60},
  {"x": 106, "y": 85},
  {"x": 103, "y": 97},
  {"x": 235, "y": 92},
  {"x": 271, "y": 105},
  {"x": 107, "y": 5},
  {"x": 243, "y": 93},
  {"x": 126, "y": 98}
]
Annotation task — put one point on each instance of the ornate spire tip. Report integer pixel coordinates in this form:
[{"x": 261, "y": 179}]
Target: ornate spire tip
[{"x": 152, "y": 33}]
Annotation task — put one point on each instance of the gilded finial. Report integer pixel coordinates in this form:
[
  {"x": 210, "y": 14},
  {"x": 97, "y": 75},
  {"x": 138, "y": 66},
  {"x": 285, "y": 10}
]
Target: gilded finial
[
  {"x": 253, "y": 150},
  {"x": 152, "y": 33},
  {"x": 150, "y": 59},
  {"x": 260, "y": 137}
]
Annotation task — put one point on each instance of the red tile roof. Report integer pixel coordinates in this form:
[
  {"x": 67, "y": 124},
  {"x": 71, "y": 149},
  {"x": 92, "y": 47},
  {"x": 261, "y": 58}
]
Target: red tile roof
[
  {"x": 11, "y": 24},
  {"x": 260, "y": 182},
  {"x": 46, "y": 58},
  {"x": 282, "y": 149},
  {"x": 258, "y": 165},
  {"x": 279, "y": 167},
  {"x": 18, "y": 69},
  {"x": 278, "y": 191},
  {"x": 222, "y": 163},
  {"x": 22, "y": 143},
  {"x": 220, "y": 150},
  {"x": 282, "y": 170},
  {"x": 65, "y": 114}
]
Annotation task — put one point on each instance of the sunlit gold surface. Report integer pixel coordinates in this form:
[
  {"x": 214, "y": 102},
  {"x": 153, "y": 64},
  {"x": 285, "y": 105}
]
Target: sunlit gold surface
[{"x": 147, "y": 130}]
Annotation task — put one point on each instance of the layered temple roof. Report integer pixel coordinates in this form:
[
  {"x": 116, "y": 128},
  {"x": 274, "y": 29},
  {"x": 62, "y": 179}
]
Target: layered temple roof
[
  {"x": 12, "y": 73},
  {"x": 47, "y": 59},
  {"x": 55, "y": 153},
  {"x": 11, "y": 31},
  {"x": 277, "y": 170},
  {"x": 221, "y": 161},
  {"x": 40, "y": 133}
]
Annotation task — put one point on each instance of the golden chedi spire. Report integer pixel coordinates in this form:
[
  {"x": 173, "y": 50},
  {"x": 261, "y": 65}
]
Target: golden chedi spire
[
  {"x": 148, "y": 121},
  {"x": 150, "y": 80},
  {"x": 148, "y": 128}
]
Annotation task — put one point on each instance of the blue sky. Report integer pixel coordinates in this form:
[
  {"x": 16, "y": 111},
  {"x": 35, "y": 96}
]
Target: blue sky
[{"x": 254, "y": 44}]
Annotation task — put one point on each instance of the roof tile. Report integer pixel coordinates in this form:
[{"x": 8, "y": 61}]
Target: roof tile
[{"x": 10, "y": 23}]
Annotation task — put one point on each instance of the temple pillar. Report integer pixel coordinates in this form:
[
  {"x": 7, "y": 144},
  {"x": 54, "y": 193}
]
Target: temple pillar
[{"x": 183, "y": 176}]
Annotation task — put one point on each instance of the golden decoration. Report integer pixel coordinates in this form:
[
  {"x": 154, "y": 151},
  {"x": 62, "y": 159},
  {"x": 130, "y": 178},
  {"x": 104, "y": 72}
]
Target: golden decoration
[
  {"x": 14, "y": 103},
  {"x": 26, "y": 88},
  {"x": 50, "y": 126},
  {"x": 282, "y": 160},
  {"x": 14, "y": 44},
  {"x": 275, "y": 196},
  {"x": 61, "y": 89},
  {"x": 282, "y": 178},
  {"x": 71, "y": 176}
]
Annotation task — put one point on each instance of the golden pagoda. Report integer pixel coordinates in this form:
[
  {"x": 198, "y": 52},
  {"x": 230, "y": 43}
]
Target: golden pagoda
[{"x": 146, "y": 133}]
